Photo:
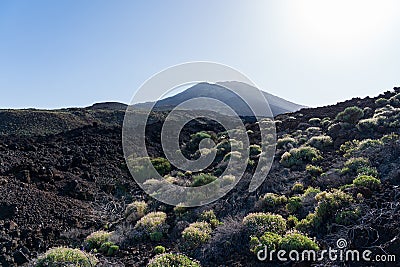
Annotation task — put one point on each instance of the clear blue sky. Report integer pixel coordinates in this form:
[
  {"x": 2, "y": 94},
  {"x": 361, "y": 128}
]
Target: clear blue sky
[{"x": 73, "y": 53}]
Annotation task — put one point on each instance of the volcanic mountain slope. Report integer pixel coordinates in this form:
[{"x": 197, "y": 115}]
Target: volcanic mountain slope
[
  {"x": 57, "y": 189},
  {"x": 220, "y": 92}
]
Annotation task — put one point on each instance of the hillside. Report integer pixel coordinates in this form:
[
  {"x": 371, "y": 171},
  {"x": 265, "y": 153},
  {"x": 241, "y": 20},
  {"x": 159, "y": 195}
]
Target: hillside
[{"x": 340, "y": 167}]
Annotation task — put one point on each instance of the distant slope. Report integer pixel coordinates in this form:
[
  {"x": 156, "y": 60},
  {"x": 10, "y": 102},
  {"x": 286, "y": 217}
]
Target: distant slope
[
  {"x": 219, "y": 92},
  {"x": 30, "y": 122}
]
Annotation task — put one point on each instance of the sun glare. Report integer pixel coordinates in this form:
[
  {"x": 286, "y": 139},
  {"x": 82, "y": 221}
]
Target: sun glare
[{"x": 343, "y": 24}]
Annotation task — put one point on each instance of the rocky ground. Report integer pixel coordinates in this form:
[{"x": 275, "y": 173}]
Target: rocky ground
[{"x": 56, "y": 189}]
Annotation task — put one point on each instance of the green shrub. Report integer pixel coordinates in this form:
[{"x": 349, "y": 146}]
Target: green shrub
[
  {"x": 109, "y": 248},
  {"x": 259, "y": 223},
  {"x": 227, "y": 180},
  {"x": 180, "y": 210},
  {"x": 381, "y": 102},
  {"x": 311, "y": 191},
  {"x": 196, "y": 234},
  {"x": 367, "y": 181},
  {"x": 298, "y": 188},
  {"x": 320, "y": 142},
  {"x": 223, "y": 147},
  {"x": 297, "y": 241},
  {"x": 269, "y": 239},
  {"x": 315, "y": 121},
  {"x": 315, "y": 171},
  {"x": 330, "y": 202},
  {"x": 300, "y": 156},
  {"x": 234, "y": 155},
  {"x": 96, "y": 239},
  {"x": 349, "y": 147},
  {"x": 294, "y": 204},
  {"x": 202, "y": 179},
  {"x": 162, "y": 165},
  {"x": 367, "y": 170},
  {"x": 159, "y": 250},
  {"x": 270, "y": 201},
  {"x": 313, "y": 130},
  {"x": 347, "y": 217},
  {"x": 156, "y": 236},
  {"x": 195, "y": 140},
  {"x": 135, "y": 211},
  {"x": 370, "y": 124},
  {"x": 151, "y": 224},
  {"x": 292, "y": 221},
  {"x": 326, "y": 122},
  {"x": 389, "y": 138},
  {"x": 62, "y": 256},
  {"x": 350, "y": 115},
  {"x": 172, "y": 260},
  {"x": 255, "y": 150},
  {"x": 209, "y": 217},
  {"x": 369, "y": 143},
  {"x": 283, "y": 142},
  {"x": 395, "y": 100},
  {"x": 354, "y": 165}
]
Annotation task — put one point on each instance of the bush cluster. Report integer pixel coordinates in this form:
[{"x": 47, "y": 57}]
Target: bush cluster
[
  {"x": 329, "y": 203},
  {"x": 259, "y": 223},
  {"x": 355, "y": 165},
  {"x": 292, "y": 240},
  {"x": 300, "y": 156},
  {"x": 270, "y": 201}
]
